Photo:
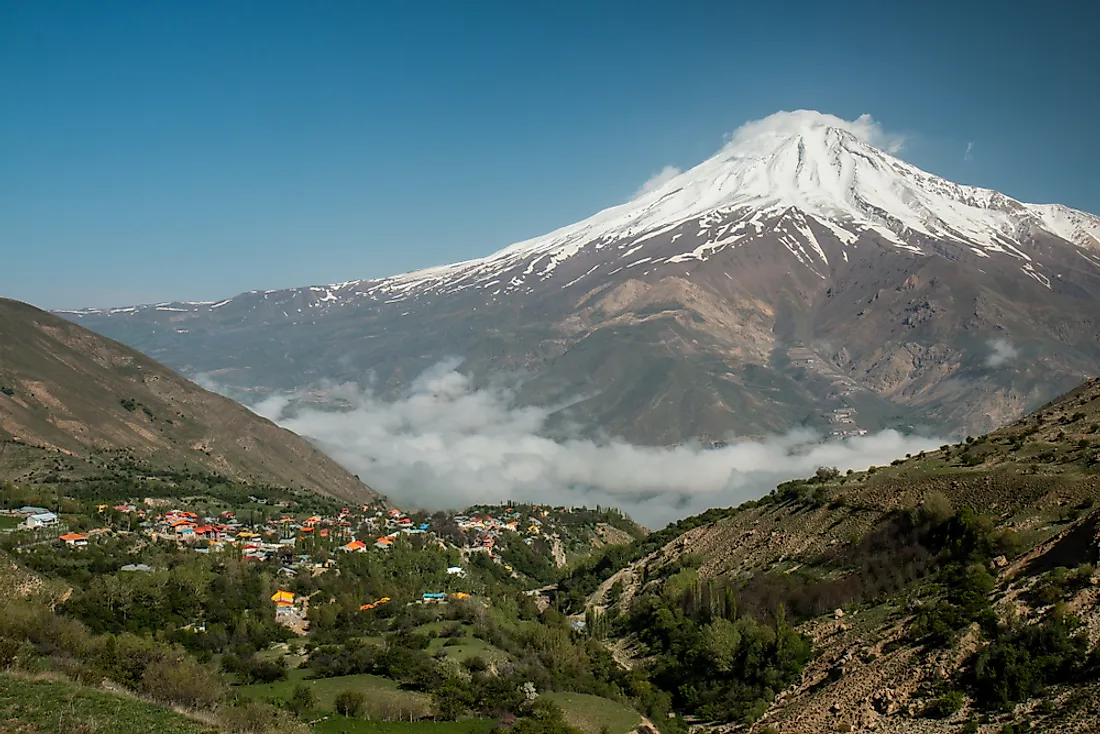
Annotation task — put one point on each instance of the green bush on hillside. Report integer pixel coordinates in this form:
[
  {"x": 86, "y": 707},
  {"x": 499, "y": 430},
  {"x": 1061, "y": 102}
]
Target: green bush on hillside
[{"x": 1022, "y": 660}]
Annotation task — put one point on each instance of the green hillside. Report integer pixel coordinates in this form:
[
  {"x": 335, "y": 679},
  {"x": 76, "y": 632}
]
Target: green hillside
[
  {"x": 954, "y": 588},
  {"x": 45, "y": 706}
]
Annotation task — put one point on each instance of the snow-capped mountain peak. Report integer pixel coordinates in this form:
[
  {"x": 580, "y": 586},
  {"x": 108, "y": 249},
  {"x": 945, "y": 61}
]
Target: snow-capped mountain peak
[
  {"x": 835, "y": 172},
  {"x": 781, "y": 178},
  {"x": 802, "y": 273}
]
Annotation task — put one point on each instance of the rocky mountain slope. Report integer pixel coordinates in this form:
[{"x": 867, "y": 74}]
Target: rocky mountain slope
[
  {"x": 66, "y": 392},
  {"x": 801, "y": 275},
  {"x": 958, "y": 570}
]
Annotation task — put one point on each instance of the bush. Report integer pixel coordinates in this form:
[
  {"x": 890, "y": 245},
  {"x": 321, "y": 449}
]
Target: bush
[
  {"x": 349, "y": 703},
  {"x": 256, "y": 717},
  {"x": 1060, "y": 582},
  {"x": 268, "y": 671},
  {"x": 182, "y": 682},
  {"x": 936, "y": 507},
  {"x": 945, "y": 705},
  {"x": 1022, "y": 661},
  {"x": 302, "y": 700},
  {"x": 475, "y": 664}
]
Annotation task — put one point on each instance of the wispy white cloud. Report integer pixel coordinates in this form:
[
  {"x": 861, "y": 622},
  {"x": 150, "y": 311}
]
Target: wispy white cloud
[
  {"x": 657, "y": 180},
  {"x": 1001, "y": 353},
  {"x": 445, "y": 444},
  {"x": 864, "y": 127},
  {"x": 969, "y": 154}
]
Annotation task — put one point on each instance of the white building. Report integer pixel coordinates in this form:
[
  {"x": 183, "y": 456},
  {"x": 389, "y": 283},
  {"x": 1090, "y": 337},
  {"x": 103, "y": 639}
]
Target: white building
[{"x": 42, "y": 520}]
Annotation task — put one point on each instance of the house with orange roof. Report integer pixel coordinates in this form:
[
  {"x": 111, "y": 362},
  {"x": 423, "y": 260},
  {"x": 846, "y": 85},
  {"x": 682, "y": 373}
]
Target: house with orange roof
[
  {"x": 74, "y": 540},
  {"x": 355, "y": 546},
  {"x": 284, "y": 601},
  {"x": 384, "y": 542}
]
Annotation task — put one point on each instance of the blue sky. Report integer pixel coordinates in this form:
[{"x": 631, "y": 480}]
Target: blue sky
[{"x": 193, "y": 150}]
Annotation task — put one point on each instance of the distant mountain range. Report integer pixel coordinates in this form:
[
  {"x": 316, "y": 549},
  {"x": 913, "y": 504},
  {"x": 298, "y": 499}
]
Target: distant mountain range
[
  {"x": 68, "y": 396},
  {"x": 801, "y": 276}
]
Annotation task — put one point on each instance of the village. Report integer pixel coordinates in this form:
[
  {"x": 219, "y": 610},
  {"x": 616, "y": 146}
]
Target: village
[{"x": 298, "y": 543}]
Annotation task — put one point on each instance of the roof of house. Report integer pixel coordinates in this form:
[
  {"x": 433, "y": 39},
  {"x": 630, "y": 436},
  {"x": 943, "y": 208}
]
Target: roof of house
[
  {"x": 282, "y": 596},
  {"x": 72, "y": 537}
]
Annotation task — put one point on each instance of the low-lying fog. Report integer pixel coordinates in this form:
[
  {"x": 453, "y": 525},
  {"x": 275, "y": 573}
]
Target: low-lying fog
[{"x": 444, "y": 444}]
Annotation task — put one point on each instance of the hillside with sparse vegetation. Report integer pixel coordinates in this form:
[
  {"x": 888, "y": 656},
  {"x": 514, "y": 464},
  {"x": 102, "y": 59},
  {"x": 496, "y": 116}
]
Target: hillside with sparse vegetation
[
  {"x": 954, "y": 590},
  {"x": 75, "y": 403}
]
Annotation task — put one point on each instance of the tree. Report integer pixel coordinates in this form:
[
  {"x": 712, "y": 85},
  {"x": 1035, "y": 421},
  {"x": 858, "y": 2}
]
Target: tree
[
  {"x": 349, "y": 703},
  {"x": 302, "y": 700},
  {"x": 452, "y": 699}
]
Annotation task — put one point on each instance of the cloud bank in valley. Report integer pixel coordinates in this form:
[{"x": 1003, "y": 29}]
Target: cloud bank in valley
[{"x": 445, "y": 444}]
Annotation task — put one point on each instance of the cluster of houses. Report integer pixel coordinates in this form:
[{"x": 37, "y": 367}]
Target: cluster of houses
[
  {"x": 392, "y": 524},
  {"x": 480, "y": 530},
  {"x": 483, "y": 529},
  {"x": 295, "y": 540}
]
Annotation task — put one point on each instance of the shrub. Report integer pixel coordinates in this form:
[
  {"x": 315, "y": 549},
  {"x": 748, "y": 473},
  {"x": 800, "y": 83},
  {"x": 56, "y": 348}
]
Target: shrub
[
  {"x": 251, "y": 716},
  {"x": 945, "y": 705},
  {"x": 1022, "y": 661},
  {"x": 302, "y": 700},
  {"x": 349, "y": 703},
  {"x": 182, "y": 682},
  {"x": 476, "y": 664},
  {"x": 936, "y": 507},
  {"x": 1060, "y": 582}
]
